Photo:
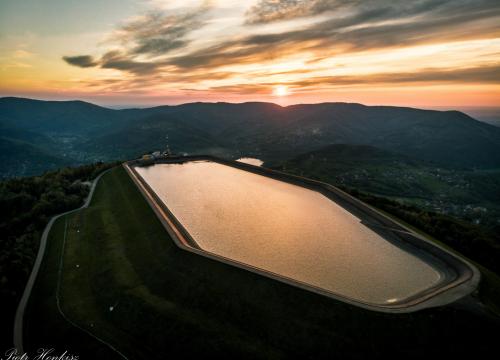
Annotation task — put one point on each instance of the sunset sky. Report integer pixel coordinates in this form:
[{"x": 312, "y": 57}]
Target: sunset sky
[{"x": 424, "y": 53}]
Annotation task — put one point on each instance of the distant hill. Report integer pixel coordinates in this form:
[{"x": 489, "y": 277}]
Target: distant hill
[
  {"x": 488, "y": 114},
  {"x": 472, "y": 195},
  {"x": 371, "y": 169},
  {"x": 83, "y": 132},
  {"x": 273, "y": 132},
  {"x": 42, "y": 135},
  {"x": 68, "y": 117},
  {"x": 21, "y": 157},
  {"x": 495, "y": 122}
]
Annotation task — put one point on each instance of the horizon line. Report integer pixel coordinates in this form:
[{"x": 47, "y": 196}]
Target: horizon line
[{"x": 132, "y": 107}]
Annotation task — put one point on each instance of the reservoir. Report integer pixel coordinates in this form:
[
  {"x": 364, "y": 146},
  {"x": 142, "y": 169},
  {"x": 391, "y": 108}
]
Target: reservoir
[
  {"x": 251, "y": 161},
  {"x": 289, "y": 230}
]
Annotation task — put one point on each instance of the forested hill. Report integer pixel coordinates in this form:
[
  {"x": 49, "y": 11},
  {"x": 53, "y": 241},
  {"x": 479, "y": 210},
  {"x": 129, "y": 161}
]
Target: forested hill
[
  {"x": 473, "y": 195},
  {"x": 75, "y": 132}
]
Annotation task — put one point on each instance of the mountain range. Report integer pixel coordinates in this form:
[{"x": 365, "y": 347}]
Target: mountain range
[{"x": 39, "y": 135}]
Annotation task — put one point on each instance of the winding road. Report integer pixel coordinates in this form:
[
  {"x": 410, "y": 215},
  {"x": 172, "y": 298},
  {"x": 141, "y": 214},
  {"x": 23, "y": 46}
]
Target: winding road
[{"x": 19, "y": 320}]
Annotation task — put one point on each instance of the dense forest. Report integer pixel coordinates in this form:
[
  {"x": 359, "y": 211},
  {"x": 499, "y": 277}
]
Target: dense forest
[{"x": 26, "y": 205}]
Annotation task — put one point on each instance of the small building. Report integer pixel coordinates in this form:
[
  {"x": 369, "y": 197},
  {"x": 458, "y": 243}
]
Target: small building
[{"x": 147, "y": 159}]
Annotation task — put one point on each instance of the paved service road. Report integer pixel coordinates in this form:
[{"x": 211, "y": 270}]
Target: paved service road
[{"x": 19, "y": 320}]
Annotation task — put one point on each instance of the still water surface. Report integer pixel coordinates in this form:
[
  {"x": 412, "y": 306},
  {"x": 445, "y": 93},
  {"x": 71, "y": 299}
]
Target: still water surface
[
  {"x": 251, "y": 161},
  {"x": 288, "y": 230}
]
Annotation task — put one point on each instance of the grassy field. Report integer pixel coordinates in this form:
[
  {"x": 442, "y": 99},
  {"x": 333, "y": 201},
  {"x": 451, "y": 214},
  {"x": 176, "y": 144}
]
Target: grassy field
[
  {"x": 45, "y": 327},
  {"x": 166, "y": 301}
]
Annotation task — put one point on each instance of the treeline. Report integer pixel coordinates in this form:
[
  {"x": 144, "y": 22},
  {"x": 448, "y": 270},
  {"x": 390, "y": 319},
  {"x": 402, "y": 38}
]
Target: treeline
[
  {"x": 478, "y": 243},
  {"x": 26, "y": 205}
]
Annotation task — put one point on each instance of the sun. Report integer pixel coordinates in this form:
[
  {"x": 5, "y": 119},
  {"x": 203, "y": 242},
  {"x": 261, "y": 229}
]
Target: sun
[{"x": 280, "y": 90}]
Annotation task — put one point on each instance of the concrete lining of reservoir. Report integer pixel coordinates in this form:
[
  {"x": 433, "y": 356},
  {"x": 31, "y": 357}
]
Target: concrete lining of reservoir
[{"x": 459, "y": 276}]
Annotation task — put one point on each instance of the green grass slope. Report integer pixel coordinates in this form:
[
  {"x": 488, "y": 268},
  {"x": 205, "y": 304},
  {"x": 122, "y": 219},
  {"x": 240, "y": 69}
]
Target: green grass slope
[{"x": 167, "y": 301}]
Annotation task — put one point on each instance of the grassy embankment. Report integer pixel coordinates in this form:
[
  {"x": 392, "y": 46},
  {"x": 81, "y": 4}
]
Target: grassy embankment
[
  {"x": 26, "y": 206},
  {"x": 168, "y": 301}
]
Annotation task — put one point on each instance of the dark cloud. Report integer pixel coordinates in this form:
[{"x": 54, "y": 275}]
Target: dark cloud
[
  {"x": 473, "y": 75},
  {"x": 148, "y": 80},
  {"x": 392, "y": 24},
  {"x": 383, "y": 20},
  {"x": 158, "y": 33},
  {"x": 478, "y": 75},
  {"x": 151, "y": 35},
  {"x": 148, "y": 43},
  {"x": 83, "y": 61},
  {"x": 352, "y": 12},
  {"x": 119, "y": 61},
  {"x": 278, "y": 10},
  {"x": 114, "y": 60},
  {"x": 271, "y": 10}
]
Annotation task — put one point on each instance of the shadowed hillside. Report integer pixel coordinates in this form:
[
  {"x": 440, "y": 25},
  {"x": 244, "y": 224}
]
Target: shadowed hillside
[{"x": 80, "y": 132}]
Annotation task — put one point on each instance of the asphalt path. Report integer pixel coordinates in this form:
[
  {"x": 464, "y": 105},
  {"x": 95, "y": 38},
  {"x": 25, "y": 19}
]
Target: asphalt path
[{"x": 19, "y": 320}]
